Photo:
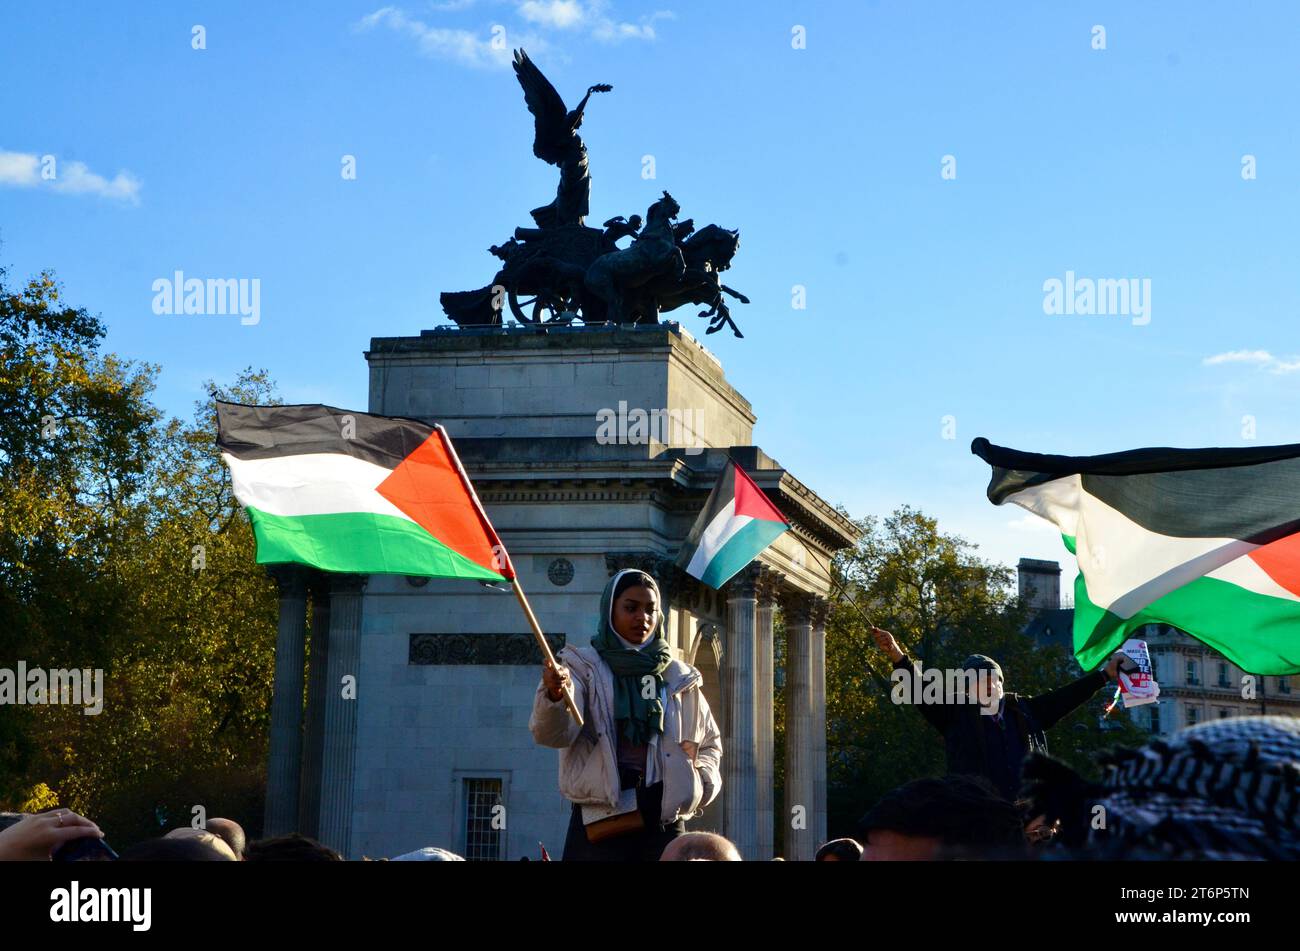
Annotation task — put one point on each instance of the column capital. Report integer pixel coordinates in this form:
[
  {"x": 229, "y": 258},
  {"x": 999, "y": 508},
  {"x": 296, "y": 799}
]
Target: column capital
[
  {"x": 318, "y": 584},
  {"x": 290, "y": 578},
  {"x": 820, "y": 611},
  {"x": 745, "y": 583},
  {"x": 798, "y": 607},
  {"x": 769, "y": 586},
  {"x": 342, "y": 583}
]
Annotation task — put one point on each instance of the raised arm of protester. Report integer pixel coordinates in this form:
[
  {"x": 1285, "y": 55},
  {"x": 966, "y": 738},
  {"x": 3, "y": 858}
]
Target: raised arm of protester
[
  {"x": 938, "y": 715},
  {"x": 1054, "y": 706}
]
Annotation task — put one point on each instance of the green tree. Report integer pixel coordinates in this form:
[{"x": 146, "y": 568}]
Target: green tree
[
  {"x": 74, "y": 436},
  {"x": 122, "y": 548}
]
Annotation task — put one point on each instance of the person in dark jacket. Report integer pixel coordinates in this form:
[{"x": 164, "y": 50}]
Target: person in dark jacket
[{"x": 991, "y": 734}]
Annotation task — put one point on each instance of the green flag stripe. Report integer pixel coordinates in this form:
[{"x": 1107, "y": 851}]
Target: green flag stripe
[
  {"x": 1258, "y": 633},
  {"x": 359, "y": 542},
  {"x": 744, "y": 546}
]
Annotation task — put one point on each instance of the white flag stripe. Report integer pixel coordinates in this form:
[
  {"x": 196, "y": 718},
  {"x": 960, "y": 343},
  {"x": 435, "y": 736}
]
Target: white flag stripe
[
  {"x": 1057, "y": 501},
  {"x": 1245, "y": 572},
  {"x": 718, "y": 532},
  {"x": 316, "y": 483},
  {"x": 1126, "y": 566}
]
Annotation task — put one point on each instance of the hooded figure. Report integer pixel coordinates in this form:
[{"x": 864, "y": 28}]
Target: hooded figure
[{"x": 648, "y": 755}]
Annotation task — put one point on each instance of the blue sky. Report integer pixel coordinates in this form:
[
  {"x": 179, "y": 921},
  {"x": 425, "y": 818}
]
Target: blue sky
[{"x": 924, "y": 294}]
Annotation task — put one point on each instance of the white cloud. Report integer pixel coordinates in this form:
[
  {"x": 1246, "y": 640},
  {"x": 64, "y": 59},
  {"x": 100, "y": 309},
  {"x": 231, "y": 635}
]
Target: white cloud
[
  {"x": 462, "y": 46},
  {"x": 593, "y": 16},
  {"x": 20, "y": 169},
  {"x": 608, "y": 30},
  {"x": 590, "y": 17},
  {"x": 28, "y": 170},
  {"x": 1259, "y": 358},
  {"x": 557, "y": 14},
  {"x": 1029, "y": 522}
]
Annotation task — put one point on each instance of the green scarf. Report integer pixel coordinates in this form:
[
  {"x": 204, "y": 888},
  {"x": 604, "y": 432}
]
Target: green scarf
[{"x": 638, "y": 718}]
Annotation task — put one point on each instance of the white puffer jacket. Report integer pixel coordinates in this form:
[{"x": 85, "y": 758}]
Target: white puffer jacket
[{"x": 588, "y": 755}]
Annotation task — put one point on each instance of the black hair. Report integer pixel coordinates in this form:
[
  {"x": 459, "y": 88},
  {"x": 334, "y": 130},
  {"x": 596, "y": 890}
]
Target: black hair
[
  {"x": 844, "y": 850},
  {"x": 965, "y": 813},
  {"x": 290, "y": 848},
  {"x": 633, "y": 578}
]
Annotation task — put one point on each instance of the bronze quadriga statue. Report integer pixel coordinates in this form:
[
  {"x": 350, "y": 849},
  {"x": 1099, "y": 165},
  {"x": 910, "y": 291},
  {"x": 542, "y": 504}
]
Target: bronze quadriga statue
[{"x": 562, "y": 270}]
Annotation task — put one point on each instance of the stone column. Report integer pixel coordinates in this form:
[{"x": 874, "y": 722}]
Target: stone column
[
  {"x": 284, "y": 763},
  {"x": 739, "y": 782},
  {"x": 800, "y": 746},
  {"x": 338, "y": 748},
  {"x": 314, "y": 731},
  {"x": 764, "y": 695},
  {"x": 817, "y": 668}
]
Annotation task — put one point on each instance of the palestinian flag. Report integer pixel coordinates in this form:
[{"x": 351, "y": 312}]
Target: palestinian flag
[
  {"x": 1205, "y": 540},
  {"x": 358, "y": 493},
  {"x": 737, "y": 523}
]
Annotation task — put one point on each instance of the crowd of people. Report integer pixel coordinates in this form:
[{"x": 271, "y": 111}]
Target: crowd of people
[
  {"x": 646, "y": 756},
  {"x": 1227, "y": 789}
]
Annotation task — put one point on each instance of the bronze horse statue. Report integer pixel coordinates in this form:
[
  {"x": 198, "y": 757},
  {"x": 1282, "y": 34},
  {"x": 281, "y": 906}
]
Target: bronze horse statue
[
  {"x": 653, "y": 254},
  {"x": 562, "y": 270}
]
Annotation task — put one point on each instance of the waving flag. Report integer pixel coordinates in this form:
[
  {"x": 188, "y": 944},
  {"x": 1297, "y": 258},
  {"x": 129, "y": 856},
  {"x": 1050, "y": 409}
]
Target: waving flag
[
  {"x": 1202, "y": 539},
  {"x": 737, "y": 523},
  {"x": 357, "y": 493}
]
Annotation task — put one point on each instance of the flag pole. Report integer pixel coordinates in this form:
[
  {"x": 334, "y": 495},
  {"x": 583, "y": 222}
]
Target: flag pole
[
  {"x": 499, "y": 553},
  {"x": 544, "y": 647}
]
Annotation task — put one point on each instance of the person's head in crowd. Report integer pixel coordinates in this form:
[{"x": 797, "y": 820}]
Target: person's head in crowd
[
  {"x": 1224, "y": 789},
  {"x": 636, "y": 608},
  {"x": 290, "y": 848},
  {"x": 200, "y": 847},
  {"x": 946, "y": 818},
  {"x": 233, "y": 834},
  {"x": 988, "y": 680},
  {"x": 1039, "y": 831},
  {"x": 840, "y": 850},
  {"x": 700, "y": 847},
  {"x": 429, "y": 853},
  {"x": 207, "y": 837}
]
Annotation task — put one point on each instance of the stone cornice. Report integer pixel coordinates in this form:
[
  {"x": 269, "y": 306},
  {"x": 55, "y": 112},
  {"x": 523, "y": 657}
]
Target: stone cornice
[
  {"x": 622, "y": 343},
  {"x": 815, "y": 522}
]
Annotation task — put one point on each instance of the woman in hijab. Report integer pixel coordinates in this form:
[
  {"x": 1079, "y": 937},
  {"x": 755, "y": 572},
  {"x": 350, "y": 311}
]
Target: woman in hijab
[{"x": 648, "y": 755}]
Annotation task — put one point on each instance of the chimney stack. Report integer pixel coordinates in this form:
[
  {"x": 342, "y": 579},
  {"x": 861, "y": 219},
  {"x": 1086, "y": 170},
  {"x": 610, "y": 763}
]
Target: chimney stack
[{"x": 1040, "y": 583}]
